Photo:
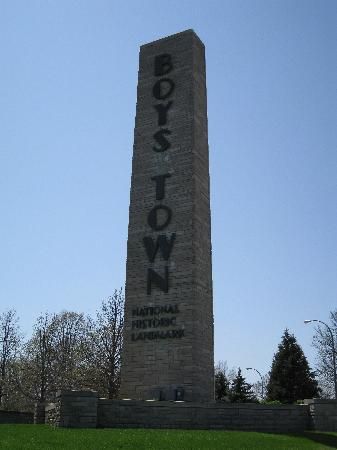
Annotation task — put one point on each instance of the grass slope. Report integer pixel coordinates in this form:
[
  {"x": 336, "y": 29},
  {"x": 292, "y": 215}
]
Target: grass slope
[{"x": 44, "y": 437}]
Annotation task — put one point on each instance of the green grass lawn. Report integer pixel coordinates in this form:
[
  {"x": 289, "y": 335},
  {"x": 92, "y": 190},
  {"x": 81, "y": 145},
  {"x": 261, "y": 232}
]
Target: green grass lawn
[{"x": 44, "y": 437}]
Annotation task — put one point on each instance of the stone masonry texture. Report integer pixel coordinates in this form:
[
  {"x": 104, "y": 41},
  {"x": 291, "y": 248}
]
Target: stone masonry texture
[
  {"x": 323, "y": 414},
  {"x": 168, "y": 334},
  {"x": 84, "y": 409},
  {"x": 211, "y": 416},
  {"x": 16, "y": 417},
  {"x": 73, "y": 409}
]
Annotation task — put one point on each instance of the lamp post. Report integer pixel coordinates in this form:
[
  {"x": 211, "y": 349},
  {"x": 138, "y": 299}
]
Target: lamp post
[
  {"x": 252, "y": 368},
  {"x": 333, "y": 351}
]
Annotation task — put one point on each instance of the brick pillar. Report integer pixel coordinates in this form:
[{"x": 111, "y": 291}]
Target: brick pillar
[
  {"x": 168, "y": 334},
  {"x": 323, "y": 414},
  {"x": 39, "y": 412},
  {"x": 76, "y": 409}
]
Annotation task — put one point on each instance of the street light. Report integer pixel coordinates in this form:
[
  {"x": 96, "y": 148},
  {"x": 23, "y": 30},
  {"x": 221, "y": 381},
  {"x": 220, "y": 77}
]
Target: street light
[
  {"x": 333, "y": 351},
  {"x": 252, "y": 368}
]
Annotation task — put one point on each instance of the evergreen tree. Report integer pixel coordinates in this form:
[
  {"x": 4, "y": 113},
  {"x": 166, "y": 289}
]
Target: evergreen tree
[
  {"x": 241, "y": 391},
  {"x": 221, "y": 385},
  {"x": 291, "y": 378}
]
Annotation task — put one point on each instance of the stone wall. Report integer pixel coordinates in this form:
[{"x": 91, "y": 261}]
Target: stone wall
[
  {"x": 15, "y": 417},
  {"x": 323, "y": 414},
  {"x": 83, "y": 409},
  {"x": 224, "y": 416},
  {"x": 52, "y": 414},
  {"x": 73, "y": 409},
  {"x": 40, "y": 413}
]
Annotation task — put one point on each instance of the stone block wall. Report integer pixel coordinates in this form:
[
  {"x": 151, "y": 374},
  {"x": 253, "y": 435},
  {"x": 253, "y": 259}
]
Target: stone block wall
[
  {"x": 40, "y": 413},
  {"x": 52, "y": 414},
  {"x": 323, "y": 414},
  {"x": 73, "y": 409},
  {"x": 83, "y": 409},
  {"x": 224, "y": 416},
  {"x": 15, "y": 417}
]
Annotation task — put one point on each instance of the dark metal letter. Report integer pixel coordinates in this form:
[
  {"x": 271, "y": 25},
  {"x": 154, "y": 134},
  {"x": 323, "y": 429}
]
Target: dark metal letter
[
  {"x": 153, "y": 277},
  {"x": 163, "y": 243},
  {"x": 160, "y": 185},
  {"x": 159, "y": 136},
  {"x": 162, "y": 64},
  {"x": 162, "y": 112},
  {"x": 163, "y": 88},
  {"x": 152, "y": 218}
]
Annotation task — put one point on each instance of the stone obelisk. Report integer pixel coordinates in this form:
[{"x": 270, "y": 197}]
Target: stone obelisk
[{"x": 168, "y": 333}]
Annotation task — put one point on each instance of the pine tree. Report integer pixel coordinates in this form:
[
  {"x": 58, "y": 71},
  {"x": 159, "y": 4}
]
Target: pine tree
[
  {"x": 241, "y": 391},
  {"x": 221, "y": 385},
  {"x": 291, "y": 378}
]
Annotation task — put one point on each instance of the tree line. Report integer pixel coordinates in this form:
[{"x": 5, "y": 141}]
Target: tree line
[
  {"x": 67, "y": 350},
  {"x": 290, "y": 377}
]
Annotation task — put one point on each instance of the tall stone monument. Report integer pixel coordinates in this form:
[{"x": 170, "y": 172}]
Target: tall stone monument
[{"x": 168, "y": 334}]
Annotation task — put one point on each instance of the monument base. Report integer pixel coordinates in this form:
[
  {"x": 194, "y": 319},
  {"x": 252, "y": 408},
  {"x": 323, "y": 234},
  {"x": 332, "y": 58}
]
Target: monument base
[{"x": 83, "y": 409}]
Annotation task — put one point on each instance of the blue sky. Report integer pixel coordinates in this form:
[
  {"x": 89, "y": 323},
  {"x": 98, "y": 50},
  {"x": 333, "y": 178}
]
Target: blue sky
[{"x": 67, "y": 105}]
